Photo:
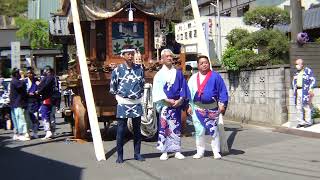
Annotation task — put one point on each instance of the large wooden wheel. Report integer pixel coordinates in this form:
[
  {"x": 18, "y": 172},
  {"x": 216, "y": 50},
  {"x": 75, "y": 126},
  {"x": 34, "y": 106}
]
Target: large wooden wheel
[{"x": 80, "y": 118}]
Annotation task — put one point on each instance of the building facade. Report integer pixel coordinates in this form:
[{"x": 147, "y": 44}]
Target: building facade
[
  {"x": 41, "y": 9},
  {"x": 237, "y": 8},
  {"x": 232, "y": 8}
]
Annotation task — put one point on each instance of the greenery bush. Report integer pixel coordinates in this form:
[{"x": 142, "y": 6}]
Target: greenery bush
[
  {"x": 266, "y": 17},
  {"x": 236, "y": 35},
  {"x": 272, "y": 46},
  {"x": 234, "y": 59},
  {"x": 315, "y": 113},
  {"x": 228, "y": 60}
]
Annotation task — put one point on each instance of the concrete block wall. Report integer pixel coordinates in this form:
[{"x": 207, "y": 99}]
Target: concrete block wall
[{"x": 259, "y": 95}]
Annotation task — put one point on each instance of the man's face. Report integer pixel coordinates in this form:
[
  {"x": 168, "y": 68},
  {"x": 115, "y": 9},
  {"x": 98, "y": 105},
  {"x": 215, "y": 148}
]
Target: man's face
[
  {"x": 203, "y": 65},
  {"x": 29, "y": 74},
  {"x": 128, "y": 56},
  {"x": 299, "y": 64},
  {"x": 167, "y": 59}
]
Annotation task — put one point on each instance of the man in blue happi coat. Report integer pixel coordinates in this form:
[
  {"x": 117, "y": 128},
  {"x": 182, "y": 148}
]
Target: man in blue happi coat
[
  {"x": 303, "y": 83},
  {"x": 127, "y": 84},
  {"x": 46, "y": 89},
  {"x": 170, "y": 93},
  {"x": 33, "y": 101},
  {"x": 209, "y": 98}
]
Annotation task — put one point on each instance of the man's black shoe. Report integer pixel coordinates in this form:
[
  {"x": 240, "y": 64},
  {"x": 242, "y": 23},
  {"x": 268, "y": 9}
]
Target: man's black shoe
[
  {"x": 119, "y": 160},
  {"x": 300, "y": 125},
  {"x": 138, "y": 157},
  {"x": 307, "y": 125}
]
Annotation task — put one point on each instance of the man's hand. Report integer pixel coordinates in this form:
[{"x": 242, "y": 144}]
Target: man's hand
[
  {"x": 169, "y": 102},
  {"x": 311, "y": 94},
  {"x": 177, "y": 103},
  {"x": 189, "y": 110},
  {"x": 222, "y": 109}
]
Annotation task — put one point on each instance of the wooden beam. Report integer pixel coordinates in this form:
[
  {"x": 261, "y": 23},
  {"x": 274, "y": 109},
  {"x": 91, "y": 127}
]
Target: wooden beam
[{"x": 95, "y": 130}]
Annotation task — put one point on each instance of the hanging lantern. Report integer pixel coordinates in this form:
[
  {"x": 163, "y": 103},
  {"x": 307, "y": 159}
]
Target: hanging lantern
[
  {"x": 130, "y": 14},
  {"x": 134, "y": 28},
  {"x": 120, "y": 27}
]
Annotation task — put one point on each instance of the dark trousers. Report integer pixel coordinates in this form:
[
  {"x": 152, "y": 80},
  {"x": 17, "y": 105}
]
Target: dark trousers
[{"x": 122, "y": 125}]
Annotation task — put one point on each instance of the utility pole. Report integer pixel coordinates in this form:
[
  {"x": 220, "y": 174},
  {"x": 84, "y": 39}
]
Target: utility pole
[{"x": 296, "y": 19}]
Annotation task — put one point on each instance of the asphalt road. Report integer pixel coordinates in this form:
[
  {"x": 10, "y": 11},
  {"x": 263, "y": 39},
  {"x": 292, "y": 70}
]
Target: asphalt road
[{"x": 256, "y": 153}]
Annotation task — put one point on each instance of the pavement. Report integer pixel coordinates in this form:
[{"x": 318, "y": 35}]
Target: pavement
[
  {"x": 314, "y": 128},
  {"x": 255, "y": 153}
]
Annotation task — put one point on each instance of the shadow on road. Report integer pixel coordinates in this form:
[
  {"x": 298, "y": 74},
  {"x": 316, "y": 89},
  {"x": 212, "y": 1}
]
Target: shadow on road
[{"x": 16, "y": 164}]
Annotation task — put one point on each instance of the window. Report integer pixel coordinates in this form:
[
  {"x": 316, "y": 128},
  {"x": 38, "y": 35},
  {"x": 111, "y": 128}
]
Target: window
[{"x": 242, "y": 10}]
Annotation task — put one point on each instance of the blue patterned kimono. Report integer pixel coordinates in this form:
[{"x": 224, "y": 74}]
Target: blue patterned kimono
[
  {"x": 128, "y": 84},
  {"x": 205, "y": 113},
  {"x": 33, "y": 101},
  {"x": 170, "y": 118},
  {"x": 308, "y": 83}
]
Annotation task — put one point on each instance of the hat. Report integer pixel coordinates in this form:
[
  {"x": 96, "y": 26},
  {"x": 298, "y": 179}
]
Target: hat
[{"x": 127, "y": 48}]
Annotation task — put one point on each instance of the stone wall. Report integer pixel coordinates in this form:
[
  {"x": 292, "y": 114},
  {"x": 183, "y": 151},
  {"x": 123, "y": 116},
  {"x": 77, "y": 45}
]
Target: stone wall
[{"x": 258, "y": 96}]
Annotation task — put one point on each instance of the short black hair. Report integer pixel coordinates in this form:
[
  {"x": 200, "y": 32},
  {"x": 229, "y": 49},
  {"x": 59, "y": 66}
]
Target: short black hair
[
  {"x": 48, "y": 68},
  {"x": 202, "y": 56},
  {"x": 29, "y": 69},
  {"x": 15, "y": 72}
]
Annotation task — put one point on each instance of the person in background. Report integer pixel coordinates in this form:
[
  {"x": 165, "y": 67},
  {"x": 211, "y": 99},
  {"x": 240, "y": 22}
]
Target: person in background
[
  {"x": 127, "y": 84},
  {"x": 18, "y": 102},
  {"x": 46, "y": 90},
  {"x": 33, "y": 101},
  {"x": 209, "y": 98},
  {"x": 170, "y": 93},
  {"x": 303, "y": 83},
  {"x": 5, "y": 108},
  {"x": 57, "y": 95}
]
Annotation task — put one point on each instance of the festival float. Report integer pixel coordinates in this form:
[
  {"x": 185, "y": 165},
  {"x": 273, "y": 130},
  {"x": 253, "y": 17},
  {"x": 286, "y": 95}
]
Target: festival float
[{"x": 105, "y": 32}]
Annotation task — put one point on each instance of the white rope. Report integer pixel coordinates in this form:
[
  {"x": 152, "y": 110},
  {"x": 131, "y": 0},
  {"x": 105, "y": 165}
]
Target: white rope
[{"x": 149, "y": 119}]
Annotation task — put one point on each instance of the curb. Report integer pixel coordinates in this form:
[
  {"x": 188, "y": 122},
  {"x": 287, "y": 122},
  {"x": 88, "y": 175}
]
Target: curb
[{"x": 297, "y": 132}]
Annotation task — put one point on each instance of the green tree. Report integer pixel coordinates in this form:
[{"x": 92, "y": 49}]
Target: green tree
[
  {"x": 13, "y": 8},
  {"x": 266, "y": 17},
  {"x": 236, "y": 35},
  {"x": 36, "y": 31}
]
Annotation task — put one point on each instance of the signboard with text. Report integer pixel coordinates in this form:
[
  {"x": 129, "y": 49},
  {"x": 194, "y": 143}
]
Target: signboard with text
[{"x": 15, "y": 55}]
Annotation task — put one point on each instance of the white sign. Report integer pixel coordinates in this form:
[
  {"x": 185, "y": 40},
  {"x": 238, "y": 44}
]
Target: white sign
[
  {"x": 157, "y": 42},
  {"x": 157, "y": 35},
  {"x": 157, "y": 30},
  {"x": 15, "y": 55},
  {"x": 191, "y": 48}
]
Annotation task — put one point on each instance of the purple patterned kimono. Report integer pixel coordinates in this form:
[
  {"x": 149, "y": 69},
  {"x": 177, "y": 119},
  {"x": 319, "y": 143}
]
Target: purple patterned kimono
[{"x": 170, "y": 118}]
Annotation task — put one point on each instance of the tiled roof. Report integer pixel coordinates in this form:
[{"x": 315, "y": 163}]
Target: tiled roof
[{"x": 311, "y": 20}]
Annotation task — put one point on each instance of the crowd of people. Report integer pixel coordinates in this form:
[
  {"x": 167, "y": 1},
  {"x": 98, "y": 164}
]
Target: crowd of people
[
  {"x": 28, "y": 99},
  {"x": 204, "y": 97}
]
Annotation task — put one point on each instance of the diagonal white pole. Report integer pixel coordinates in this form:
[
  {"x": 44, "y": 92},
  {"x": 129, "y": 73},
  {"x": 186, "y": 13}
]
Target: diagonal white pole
[
  {"x": 95, "y": 130},
  {"x": 202, "y": 47}
]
